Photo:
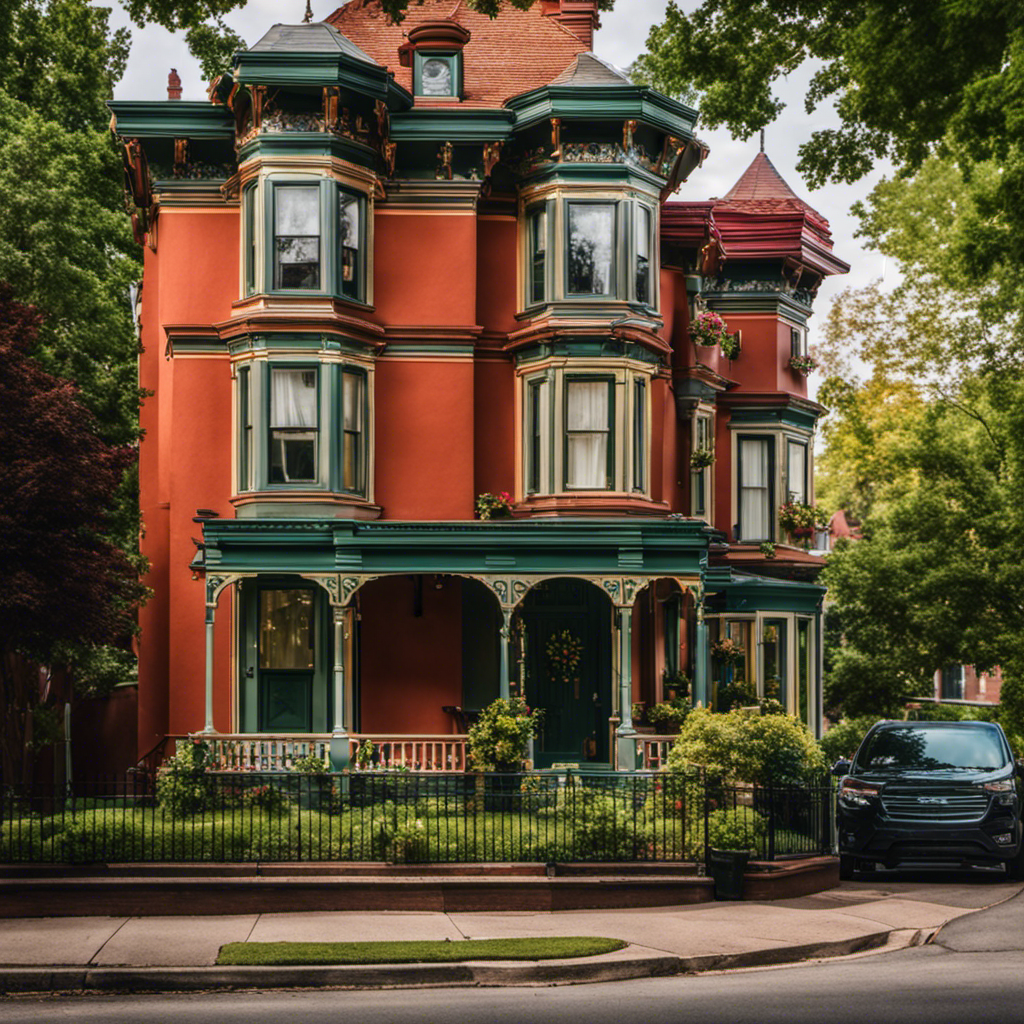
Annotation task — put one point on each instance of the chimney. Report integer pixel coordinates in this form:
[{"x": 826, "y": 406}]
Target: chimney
[
  {"x": 173, "y": 85},
  {"x": 580, "y": 17}
]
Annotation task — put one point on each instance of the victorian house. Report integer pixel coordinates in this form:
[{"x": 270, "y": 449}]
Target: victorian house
[{"x": 391, "y": 268}]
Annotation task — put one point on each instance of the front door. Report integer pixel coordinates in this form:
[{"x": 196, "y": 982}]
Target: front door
[
  {"x": 576, "y": 700},
  {"x": 287, "y": 656}
]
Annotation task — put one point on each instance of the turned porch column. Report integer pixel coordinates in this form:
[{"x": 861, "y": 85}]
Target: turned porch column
[
  {"x": 210, "y": 613},
  {"x": 339, "y": 734},
  {"x": 625, "y": 734}
]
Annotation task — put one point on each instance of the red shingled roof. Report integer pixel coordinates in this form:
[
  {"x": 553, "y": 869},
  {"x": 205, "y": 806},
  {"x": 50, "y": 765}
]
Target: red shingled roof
[
  {"x": 511, "y": 54},
  {"x": 761, "y": 189}
]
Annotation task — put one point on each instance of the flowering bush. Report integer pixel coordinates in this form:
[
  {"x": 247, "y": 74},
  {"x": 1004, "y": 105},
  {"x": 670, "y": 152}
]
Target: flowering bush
[
  {"x": 708, "y": 329},
  {"x": 498, "y": 740},
  {"x": 494, "y": 506},
  {"x": 767, "y": 548},
  {"x": 804, "y": 364},
  {"x": 799, "y": 519},
  {"x": 701, "y": 458},
  {"x": 311, "y": 764}
]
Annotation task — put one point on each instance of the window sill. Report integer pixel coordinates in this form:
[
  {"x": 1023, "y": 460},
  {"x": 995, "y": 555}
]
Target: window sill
[
  {"x": 285, "y": 503},
  {"x": 591, "y": 503}
]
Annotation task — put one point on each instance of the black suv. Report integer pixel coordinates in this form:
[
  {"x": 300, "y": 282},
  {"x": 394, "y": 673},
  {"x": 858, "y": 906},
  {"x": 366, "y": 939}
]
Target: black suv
[{"x": 930, "y": 791}]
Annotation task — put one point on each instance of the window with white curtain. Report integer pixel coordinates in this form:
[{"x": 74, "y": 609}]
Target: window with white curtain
[
  {"x": 796, "y": 472},
  {"x": 588, "y": 418},
  {"x": 294, "y": 423},
  {"x": 297, "y": 236},
  {"x": 755, "y": 488}
]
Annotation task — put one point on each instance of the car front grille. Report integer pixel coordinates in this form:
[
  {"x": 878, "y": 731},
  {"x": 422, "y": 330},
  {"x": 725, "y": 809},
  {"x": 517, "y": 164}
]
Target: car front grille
[{"x": 945, "y": 804}]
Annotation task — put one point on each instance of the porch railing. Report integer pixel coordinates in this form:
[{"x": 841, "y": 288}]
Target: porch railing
[
  {"x": 653, "y": 750},
  {"x": 266, "y": 752}
]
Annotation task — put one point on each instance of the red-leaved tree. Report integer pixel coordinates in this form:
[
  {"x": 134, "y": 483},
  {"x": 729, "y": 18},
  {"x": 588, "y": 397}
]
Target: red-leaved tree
[{"x": 62, "y": 581}]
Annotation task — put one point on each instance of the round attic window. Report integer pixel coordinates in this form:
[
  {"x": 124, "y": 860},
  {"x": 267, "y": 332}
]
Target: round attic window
[{"x": 437, "y": 77}]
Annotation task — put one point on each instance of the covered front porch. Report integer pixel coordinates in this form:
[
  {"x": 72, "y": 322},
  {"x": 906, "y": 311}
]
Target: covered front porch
[{"x": 383, "y": 638}]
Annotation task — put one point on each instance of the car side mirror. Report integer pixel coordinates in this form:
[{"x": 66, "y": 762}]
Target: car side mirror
[{"x": 842, "y": 767}]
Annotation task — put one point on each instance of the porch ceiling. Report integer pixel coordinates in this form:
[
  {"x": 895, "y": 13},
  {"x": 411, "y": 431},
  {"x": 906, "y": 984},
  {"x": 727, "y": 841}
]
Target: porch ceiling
[{"x": 646, "y": 548}]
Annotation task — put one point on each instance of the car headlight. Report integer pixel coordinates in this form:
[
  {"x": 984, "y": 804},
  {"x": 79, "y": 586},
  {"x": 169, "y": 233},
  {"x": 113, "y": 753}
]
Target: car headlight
[
  {"x": 1002, "y": 786},
  {"x": 856, "y": 793}
]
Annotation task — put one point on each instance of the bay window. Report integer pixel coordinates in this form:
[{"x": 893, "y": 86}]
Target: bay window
[
  {"x": 304, "y": 426},
  {"x": 643, "y": 255},
  {"x": 585, "y": 429},
  {"x": 538, "y": 254},
  {"x": 297, "y": 237},
  {"x": 249, "y": 236},
  {"x": 700, "y": 479},
  {"x": 351, "y": 244},
  {"x": 755, "y": 488},
  {"x": 294, "y": 425}
]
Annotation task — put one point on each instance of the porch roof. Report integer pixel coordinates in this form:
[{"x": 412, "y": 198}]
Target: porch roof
[
  {"x": 645, "y": 548},
  {"x": 732, "y": 591}
]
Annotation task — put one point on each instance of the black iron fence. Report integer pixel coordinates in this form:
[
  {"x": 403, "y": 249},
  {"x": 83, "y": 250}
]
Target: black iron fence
[{"x": 411, "y": 817}]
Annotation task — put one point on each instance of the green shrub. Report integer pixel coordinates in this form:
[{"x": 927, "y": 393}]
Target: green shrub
[
  {"x": 182, "y": 783},
  {"x": 311, "y": 764},
  {"x": 842, "y": 740},
  {"x": 498, "y": 740},
  {"x": 749, "y": 747},
  {"x": 740, "y": 828}
]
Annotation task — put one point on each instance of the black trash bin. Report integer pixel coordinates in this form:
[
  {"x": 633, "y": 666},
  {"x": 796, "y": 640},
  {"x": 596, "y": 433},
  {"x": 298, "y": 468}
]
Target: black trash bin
[{"x": 726, "y": 868}]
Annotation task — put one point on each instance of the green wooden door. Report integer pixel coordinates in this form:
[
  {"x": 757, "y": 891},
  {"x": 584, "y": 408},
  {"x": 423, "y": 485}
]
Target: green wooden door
[
  {"x": 287, "y": 658},
  {"x": 575, "y": 726}
]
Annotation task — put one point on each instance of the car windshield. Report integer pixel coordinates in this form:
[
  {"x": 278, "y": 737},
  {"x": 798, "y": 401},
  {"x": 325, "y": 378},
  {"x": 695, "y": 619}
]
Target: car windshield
[{"x": 913, "y": 747}]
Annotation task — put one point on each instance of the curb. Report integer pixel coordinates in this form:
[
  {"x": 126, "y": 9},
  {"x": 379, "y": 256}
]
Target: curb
[{"x": 23, "y": 980}]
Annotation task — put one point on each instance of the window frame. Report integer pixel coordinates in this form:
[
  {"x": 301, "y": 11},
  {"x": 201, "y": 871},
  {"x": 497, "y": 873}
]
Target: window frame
[
  {"x": 700, "y": 503},
  {"x": 317, "y": 479},
  {"x": 609, "y": 432},
  {"x": 613, "y": 274},
  {"x": 361, "y": 489},
  {"x": 276, "y": 188},
  {"x": 797, "y": 341},
  {"x": 331, "y": 193},
  {"x": 250, "y": 241},
  {"x": 243, "y": 385},
  {"x": 539, "y": 212},
  {"x": 640, "y": 212},
  {"x": 792, "y": 443},
  {"x": 453, "y": 58},
  {"x": 538, "y": 398},
  {"x": 769, "y": 440},
  {"x": 639, "y": 442}
]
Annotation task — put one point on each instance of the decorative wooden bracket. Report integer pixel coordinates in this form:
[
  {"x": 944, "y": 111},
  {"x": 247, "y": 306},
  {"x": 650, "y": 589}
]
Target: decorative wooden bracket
[
  {"x": 181, "y": 157},
  {"x": 492, "y": 156},
  {"x": 628, "y": 128},
  {"x": 556, "y": 138},
  {"x": 444, "y": 161}
]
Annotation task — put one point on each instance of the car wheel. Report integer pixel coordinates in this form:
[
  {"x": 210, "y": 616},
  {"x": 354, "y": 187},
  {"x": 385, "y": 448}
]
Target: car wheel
[{"x": 847, "y": 866}]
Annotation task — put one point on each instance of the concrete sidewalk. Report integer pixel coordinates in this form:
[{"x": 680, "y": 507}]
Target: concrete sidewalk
[{"x": 179, "y": 952}]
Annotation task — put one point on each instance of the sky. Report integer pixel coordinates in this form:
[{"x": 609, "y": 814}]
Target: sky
[{"x": 621, "y": 39}]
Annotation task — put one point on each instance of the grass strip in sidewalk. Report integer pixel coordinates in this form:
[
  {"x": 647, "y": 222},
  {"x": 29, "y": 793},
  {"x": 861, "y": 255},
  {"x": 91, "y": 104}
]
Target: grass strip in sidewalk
[{"x": 293, "y": 954}]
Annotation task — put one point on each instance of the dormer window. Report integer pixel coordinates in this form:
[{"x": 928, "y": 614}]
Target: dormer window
[
  {"x": 437, "y": 76},
  {"x": 436, "y": 48}
]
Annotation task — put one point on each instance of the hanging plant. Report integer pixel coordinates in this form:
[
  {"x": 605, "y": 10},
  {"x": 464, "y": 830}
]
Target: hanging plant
[
  {"x": 730, "y": 345},
  {"x": 799, "y": 519},
  {"x": 804, "y": 364},
  {"x": 708, "y": 329},
  {"x": 701, "y": 458}
]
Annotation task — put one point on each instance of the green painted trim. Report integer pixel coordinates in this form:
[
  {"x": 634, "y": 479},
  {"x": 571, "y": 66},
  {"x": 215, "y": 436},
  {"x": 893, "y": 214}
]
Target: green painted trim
[
  {"x": 589, "y": 349},
  {"x": 667, "y": 547},
  {"x": 776, "y": 303},
  {"x": 313, "y": 343},
  {"x": 199, "y": 345},
  {"x": 456, "y": 125},
  {"x": 325, "y": 144},
  {"x": 319, "y": 69},
  {"x": 171, "y": 119},
  {"x": 426, "y": 348},
  {"x": 749, "y": 593},
  {"x": 773, "y": 416},
  {"x": 629, "y": 175},
  {"x": 605, "y": 103}
]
